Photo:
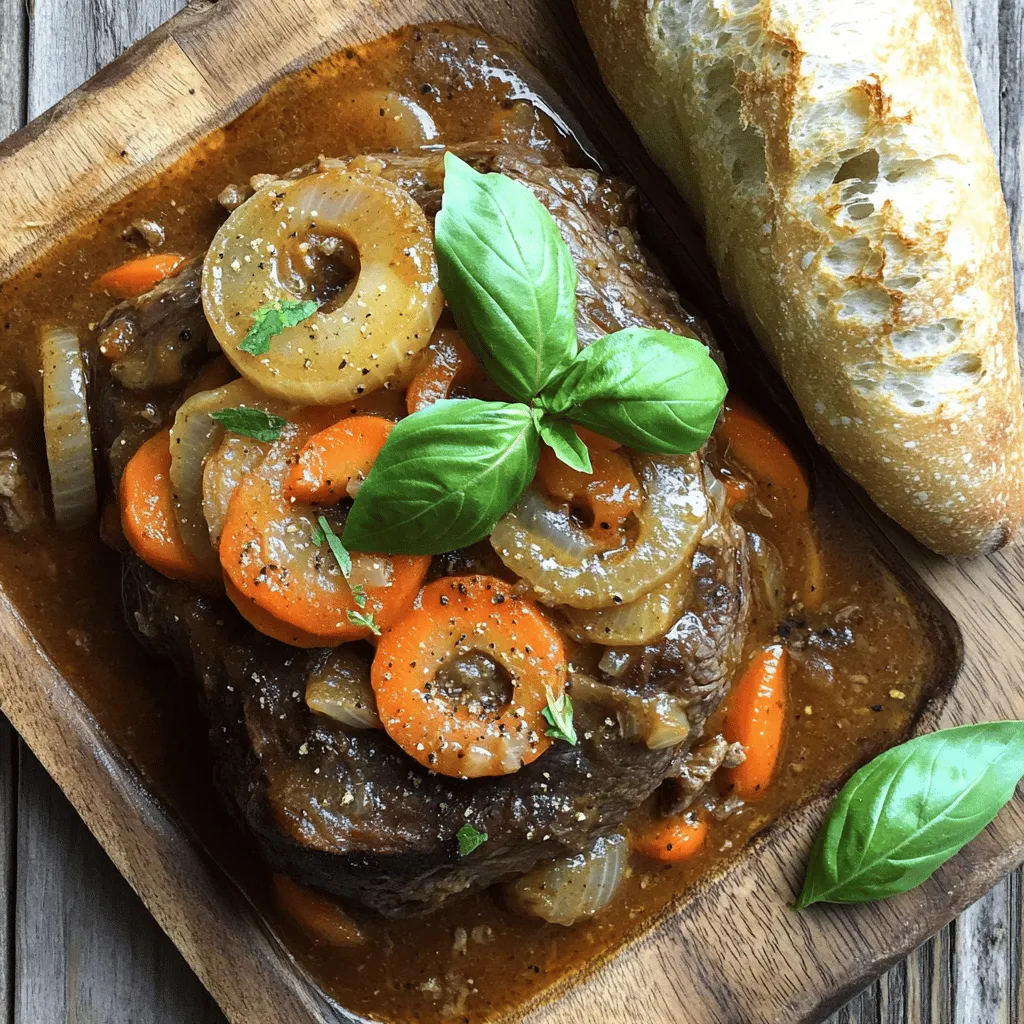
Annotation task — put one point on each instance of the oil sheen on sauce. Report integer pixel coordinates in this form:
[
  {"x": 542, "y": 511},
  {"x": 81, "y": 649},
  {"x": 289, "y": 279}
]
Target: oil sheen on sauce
[{"x": 473, "y": 960}]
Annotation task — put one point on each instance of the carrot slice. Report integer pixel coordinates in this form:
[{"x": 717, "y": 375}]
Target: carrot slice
[
  {"x": 316, "y": 914},
  {"x": 456, "y": 616},
  {"x": 756, "y": 718},
  {"x": 335, "y": 461},
  {"x": 760, "y": 450},
  {"x": 673, "y": 839},
  {"x": 609, "y": 495},
  {"x": 147, "y": 513},
  {"x": 136, "y": 277},
  {"x": 271, "y": 554},
  {"x": 266, "y": 624},
  {"x": 449, "y": 364}
]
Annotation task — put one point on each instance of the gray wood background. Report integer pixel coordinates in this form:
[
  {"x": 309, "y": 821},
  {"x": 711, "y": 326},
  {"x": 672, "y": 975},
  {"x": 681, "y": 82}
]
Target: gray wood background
[{"x": 77, "y": 946}]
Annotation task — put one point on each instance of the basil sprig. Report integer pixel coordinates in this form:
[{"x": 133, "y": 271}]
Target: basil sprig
[
  {"x": 448, "y": 473},
  {"x": 909, "y": 810}
]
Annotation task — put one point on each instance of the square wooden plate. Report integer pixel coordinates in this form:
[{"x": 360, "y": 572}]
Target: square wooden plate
[{"x": 733, "y": 952}]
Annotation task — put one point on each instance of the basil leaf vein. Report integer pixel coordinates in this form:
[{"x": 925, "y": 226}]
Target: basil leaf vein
[
  {"x": 909, "y": 810},
  {"x": 651, "y": 390},
  {"x": 508, "y": 277},
  {"x": 444, "y": 478}
]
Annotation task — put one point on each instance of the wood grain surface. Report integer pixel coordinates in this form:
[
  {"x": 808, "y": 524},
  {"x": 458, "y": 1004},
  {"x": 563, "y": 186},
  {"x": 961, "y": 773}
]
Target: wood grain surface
[{"x": 76, "y": 944}]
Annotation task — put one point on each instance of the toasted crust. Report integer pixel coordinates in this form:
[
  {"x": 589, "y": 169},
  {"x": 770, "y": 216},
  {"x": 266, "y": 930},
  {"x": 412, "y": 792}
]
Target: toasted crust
[{"x": 837, "y": 156}]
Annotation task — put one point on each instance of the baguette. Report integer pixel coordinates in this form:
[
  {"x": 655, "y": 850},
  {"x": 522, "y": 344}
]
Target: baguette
[{"x": 836, "y": 155}]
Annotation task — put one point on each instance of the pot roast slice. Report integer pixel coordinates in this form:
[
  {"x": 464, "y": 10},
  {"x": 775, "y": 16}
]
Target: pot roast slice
[{"x": 344, "y": 809}]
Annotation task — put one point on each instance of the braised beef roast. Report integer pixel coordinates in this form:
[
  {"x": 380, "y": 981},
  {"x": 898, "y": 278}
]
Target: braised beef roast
[{"x": 345, "y": 809}]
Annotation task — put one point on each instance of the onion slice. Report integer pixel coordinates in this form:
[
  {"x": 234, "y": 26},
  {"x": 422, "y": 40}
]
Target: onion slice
[
  {"x": 194, "y": 436},
  {"x": 539, "y": 540},
  {"x": 568, "y": 889},
  {"x": 66, "y": 427},
  {"x": 636, "y": 623},
  {"x": 658, "y": 719},
  {"x": 341, "y": 690}
]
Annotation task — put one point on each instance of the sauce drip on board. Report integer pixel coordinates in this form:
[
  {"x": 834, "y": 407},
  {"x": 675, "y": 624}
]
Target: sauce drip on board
[{"x": 868, "y": 654}]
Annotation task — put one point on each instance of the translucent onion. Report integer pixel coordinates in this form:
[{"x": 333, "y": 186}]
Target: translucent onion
[
  {"x": 769, "y": 573},
  {"x": 658, "y": 719},
  {"x": 194, "y": 436},
  {"x": 569, "y": 889},
  {"x": 636, "y": 623},
  {"x": 341, "y": 690},
  {"x": 66, "y": 428},
  {"x": 541, "y": 542},
  {"x": 225, "y": 469}
]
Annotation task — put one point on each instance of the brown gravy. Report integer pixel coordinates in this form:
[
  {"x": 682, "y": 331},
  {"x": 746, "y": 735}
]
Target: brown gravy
[{"x": 472, "y": 960}]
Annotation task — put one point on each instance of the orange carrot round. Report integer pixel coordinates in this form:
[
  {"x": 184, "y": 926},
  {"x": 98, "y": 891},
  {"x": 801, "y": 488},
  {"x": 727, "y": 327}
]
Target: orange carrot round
[
  {"x": 759, "y": 449},
  {"x": 449, "y": 364},
  {"x": 271, "y": 552},
  {"x": 316, "y": 914},
  {"x": 456, "y": 616},
  {"x": 610, "y": 494},
  {"x": 136, "y": 277},
  {"x": 266, "y": 624},
  {"x": 147, "y": 513},
  {"x": 756, "y": 718},
  {"x": 335, "y": 461},
  {"x": 672, "y": 839}
]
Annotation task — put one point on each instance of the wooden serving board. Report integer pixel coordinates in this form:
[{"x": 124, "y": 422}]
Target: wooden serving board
[{"x": 734, "y": 952}]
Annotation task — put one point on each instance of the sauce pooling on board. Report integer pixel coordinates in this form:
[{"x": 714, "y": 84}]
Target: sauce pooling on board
[{"x": 860, "y": 656}]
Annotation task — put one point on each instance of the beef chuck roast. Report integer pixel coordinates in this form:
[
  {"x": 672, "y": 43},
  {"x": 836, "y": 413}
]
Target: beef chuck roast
[{"x": 345, "y": 809}]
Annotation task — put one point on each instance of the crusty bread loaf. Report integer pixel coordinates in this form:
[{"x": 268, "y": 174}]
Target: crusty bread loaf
[{"x": 836, "y": 154}]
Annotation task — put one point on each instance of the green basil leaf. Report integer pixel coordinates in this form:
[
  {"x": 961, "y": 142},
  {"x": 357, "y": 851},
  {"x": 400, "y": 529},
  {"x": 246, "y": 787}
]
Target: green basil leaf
[
  {"x": 653, "y": 391},
  {"x": 565, "y": 443},
  {"x": 469, "y": 839},
  {"x": 255, "y": 423},
  {"x": 910, "y": 809},
  {"x": 273, "y": 319},
  {"x": 343, "y": 558},
  {"x": 445, "y": 476},
  {"x": 508, "y": 278}
]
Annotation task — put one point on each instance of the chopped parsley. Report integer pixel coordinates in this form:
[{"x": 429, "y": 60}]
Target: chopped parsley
[
  {"x": 558, "y": 714},
  {"x": 469, "y": 839},
  {"x": 272, "y": 319},
  {"x": 254, "y": 423},
  {"x": 337, "y": 548},
  {"x": 364, "y": 619}
]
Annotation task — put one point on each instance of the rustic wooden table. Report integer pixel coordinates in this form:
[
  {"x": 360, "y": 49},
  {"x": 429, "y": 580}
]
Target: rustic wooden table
[{"x": 76, "y": 944}]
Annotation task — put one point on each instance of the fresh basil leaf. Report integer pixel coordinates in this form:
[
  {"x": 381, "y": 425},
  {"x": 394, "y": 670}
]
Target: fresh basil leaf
[
  {"x": 653, "y": 391},
  {"x": 469, "y": 839},
  {"x": 316, "y": 535},
  {"x": 910, "y": 809},
  {"x": 445, "y": 476},
  {"x": 558, "y": 714},
  {"x": 273, "y": 319},
  {"x": 255, "y": 423},
  {"x": 343, "y": 558},
  {"x": 565, "y": 443},
  {"x": 364, "y": 619},
  {"x": 508, "y": 277}
]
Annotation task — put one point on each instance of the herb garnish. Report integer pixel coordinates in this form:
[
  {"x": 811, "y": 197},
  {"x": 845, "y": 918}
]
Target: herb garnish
[
  {"x": 272, "y": 319},
  {"x": 344, "y": 559},
  {"x": 469, "y": 839},
  {"x": 322, "y": 531},
  {"x": 364, "y": 619},
  {"x": 909, "y": 810},
  {"x": 448, "y": 473},
  {"x": 558, "y": 714},
  {"x": 254, "y": 423}
]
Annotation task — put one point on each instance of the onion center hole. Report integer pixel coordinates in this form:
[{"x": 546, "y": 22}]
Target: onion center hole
[
  {"x": 477, "y": 682},
  {"x": 328, "y": 266}
]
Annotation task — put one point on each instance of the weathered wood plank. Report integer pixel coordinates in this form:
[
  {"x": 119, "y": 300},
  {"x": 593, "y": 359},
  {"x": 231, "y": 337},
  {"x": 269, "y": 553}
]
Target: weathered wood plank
[
  {"x": 12, "y": 116},
  {"x": 981, "y": 967},
  {"x": 87, "y": 950}
]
